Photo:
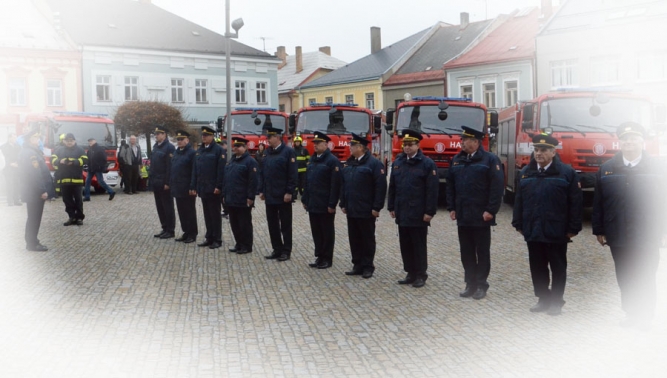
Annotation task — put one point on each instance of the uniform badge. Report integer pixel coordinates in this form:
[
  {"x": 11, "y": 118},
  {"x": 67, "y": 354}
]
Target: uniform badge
[
  {"x": 434, "y": 174},
  {"x": 336, "y": 168},
  {"x": 35, "y": 164},
  {"x": 579, "y": 185},
  {"x": 293, "y": 160},
  {"x": 171, "y": 155},
  {"x": 382, "y": 171},
  {"x": 254, "y": 169},
  {"x": 497, "y": 167}
]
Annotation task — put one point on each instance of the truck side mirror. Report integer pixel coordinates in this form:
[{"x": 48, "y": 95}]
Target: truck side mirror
[
  {"x": 527, "y": 120},
  {"x": 292, "y": 123},
  {"x": 493, "y": 118},
  {"x": 493, "y": 130},
  {"x": 389, "y": 120},
  {"x": 219, "y": 123},
  {"x": 377, "y": 124}
]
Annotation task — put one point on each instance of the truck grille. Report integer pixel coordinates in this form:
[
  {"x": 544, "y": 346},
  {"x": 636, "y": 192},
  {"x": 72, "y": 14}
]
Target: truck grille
[{"x": 587, "y": 159}]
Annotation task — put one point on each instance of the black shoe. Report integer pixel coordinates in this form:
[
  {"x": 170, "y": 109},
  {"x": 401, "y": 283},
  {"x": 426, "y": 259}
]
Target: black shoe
[
  {"x": 324, "y": 264},
  {"x": 541, "y": 306},
  {"x": 127, "y": 192},
  {"x": 86, "y": 200},
  {"x": 167, "y": 235},
  {"x": 214, "y": 245},
  {"x": 189, "y": 240},
  {"x": 79, "y": 222},
  {"x": 419, "y": 282},
  {"x": 556, "y": 308},
  {"x": 354, "y": 272},
  {"x": 407, "y": 280},
  {"x": 224, "y": 215},
  {"x": 479, "y": 294},
  {"x": 367, "y": 273},
  {"x": 468, "y": 292},
  {"x": 160, "y": 234},
  {"x": 37, "y": 248},
  {"x": 284, "y": 257},
  {"x": 112, "y": 195},
  {"x": 183, "y": 237},
  {"x": 70, "y": 222},
  {"x": 274, "y": 255},
  {"x": 205, "y": 243},
  {"x": 234, "y": 249},
  {"x": 315, "y": 263},
  {"x": 243, "y": 251}
]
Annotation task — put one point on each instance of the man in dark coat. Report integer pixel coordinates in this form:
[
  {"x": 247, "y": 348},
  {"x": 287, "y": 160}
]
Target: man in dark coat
[
  {"x": 159, "y": 179},
  {"x": 97, "y": 165},
  {"x": 240, "y": 188},
  {"x": 547, "y": 212},
  {"x": 69, "y": 160},
  {"x": 209, "y": 175},
  {"x": 36, "y": 187},
  {"x": 320, "y": 198},
  {"x": 182, "y": 186},
  {"x": 629, "y": 216},
  {"x": 11, "y": 151},
  {"x": 413, "y": 201},
  {"x": 277, "y": 182},
  {"x": 474, "y": 194},
  {"x": 302, "y": 157},
  {"x": 363, "y": 192}
]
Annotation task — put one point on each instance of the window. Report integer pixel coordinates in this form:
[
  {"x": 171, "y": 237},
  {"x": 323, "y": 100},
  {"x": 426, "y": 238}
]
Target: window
[
  {"x": 652, "y": 65},
  {"x": 54, "y": 93},
  {"x": 605, "y": 70},
  {"x": 17, "y": 92},
  {"x": 511, "y": 92},
  {"x": 311, "y": 101},
  {"x": 131, "y": 88},
  {"x": 466, "y": 91},
  {"x": 177, "y": 90},
  {"x": 103, "y": 88},
  {"x": 349, "y": 99},
  {"x": 281, "y": 108},
  {"x": 328, "y": 100},
  {"x": 261, "y": 92},
  {"x": 370, "y": 100},
  {"x": 489, "y": 93},
  {"x": 564, "y": 73},
  {"x": 240, "y": 92},
  {"x": 200, "y": 91}
]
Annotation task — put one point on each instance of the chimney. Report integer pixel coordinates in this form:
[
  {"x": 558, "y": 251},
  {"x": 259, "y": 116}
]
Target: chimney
[
  {"x": 465, "y": 20},
  {"x": 299, "y": 59},
  {"x": 376, "y": 41},
  {"x": 282, "y": 55},
  {"x": 326, "y": 50},
  {"x": 547, "y": 9}
]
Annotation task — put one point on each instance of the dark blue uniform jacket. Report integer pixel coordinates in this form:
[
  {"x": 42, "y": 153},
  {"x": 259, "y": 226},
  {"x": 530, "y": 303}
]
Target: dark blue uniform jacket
[
  {"x": 240, "y": 180},
  {"x": 323, "y": 180},
  {"x": 182, "y": 178},
  {"x": 629, "y": 204},
  {"x": 279, "y": 174},
  {"x": 413, "y": 190},
  {"x": 209, "y": 169},
  {"x": 35, "y": 175},
  {"x": 364, "y": 186},
  {"x": 548, "y": 205},
  {"x": 474, "y": 186},
  {"x": 160, "y": 171}
]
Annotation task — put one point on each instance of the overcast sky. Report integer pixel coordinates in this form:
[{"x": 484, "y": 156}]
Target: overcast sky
[{"x": 342, "y": 24}]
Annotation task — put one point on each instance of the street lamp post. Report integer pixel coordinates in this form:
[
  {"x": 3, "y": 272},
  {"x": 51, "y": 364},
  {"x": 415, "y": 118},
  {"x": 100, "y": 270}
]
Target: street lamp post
[{"x": 237, "y": 24}]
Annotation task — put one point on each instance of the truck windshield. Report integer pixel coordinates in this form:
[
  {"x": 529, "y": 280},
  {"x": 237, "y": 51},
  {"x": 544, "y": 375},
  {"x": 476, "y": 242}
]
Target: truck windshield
[
  {"x": 574, "y": 114},
  {"x": 245, "y": 124},
  {"x": 425, "y": 119},
  {"x": 103, "y": 133},
  {"x": 341, "y": 122}
]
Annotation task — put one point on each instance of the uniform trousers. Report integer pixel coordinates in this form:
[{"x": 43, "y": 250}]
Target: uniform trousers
[
  {"x": 133, "y": 175},
  {"x": 279, "y": 219},
  {"x": 165, "y": 209},
  {"x": 211, "y": 204},
  {"x": 412, "y": 242},
  {"x": 187, "y": 214},
  {"x": 475, "y": 245},
  {"x": 636, "y": 268},
  {"x": 324, "y": 235},
  {"x": 240, "y": 220},
  {"x": 301, "y": 178},
  {"x": 541, "y": 257},
  {"x": 73, "y": 201},
  {"x": 35, "y": 210},
  {"x": 362, "y": 242}
]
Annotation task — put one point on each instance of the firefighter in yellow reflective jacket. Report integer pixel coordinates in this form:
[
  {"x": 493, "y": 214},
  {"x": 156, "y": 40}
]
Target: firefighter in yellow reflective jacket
[
  {"x": 68, "y": 161},
  {"x": 302, "y": 157}
]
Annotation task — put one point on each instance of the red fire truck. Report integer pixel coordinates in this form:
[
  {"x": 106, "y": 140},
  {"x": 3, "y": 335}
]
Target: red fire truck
[
  {"x": 84, "y": 126},
  {"x": 583, "y": 120},
  {"x": 439, "y": 119},
  {"x": 338, "y": 121},
  {"x": 250, "y": 123}
]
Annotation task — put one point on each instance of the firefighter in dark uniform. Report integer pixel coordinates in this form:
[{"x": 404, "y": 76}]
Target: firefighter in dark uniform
[
  {"x": 474, "y": 195},
  {"x": 547, "y": 212},
  {"x": 223, "y": 144},
  {"x": 413, "y": 201},
  {"x": 69, "y": 161},
  {"x": 159, "y": 180},
  {"x": 629, "y": 216},
  {"x": 363, "y": 193},
  {"x": 182, "y": 186},
  {"x": 209, "y": 175},
  {"x": 302, "y": 157},
  {"x": 240, "y": 188},
  {"x": 36, "y": 188},
  {"x": 320, "y": 198},
  {"x": 277, "y": 182}
]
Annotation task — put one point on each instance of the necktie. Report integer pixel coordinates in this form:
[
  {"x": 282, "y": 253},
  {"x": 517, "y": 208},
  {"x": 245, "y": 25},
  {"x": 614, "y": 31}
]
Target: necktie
[
  {"x": 469, "y": 156},
  {"x": 629, "y": 165},
  {"x": 541, "y": 170}
]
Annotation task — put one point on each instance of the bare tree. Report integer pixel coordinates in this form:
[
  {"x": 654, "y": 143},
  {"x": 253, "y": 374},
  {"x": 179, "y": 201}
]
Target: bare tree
[{"x": 141, "y": 117}]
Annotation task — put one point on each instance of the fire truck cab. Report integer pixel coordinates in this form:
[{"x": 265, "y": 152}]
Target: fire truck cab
[
  {"x": 251, "y": 123},
  {"x": 338, "y": 121}
]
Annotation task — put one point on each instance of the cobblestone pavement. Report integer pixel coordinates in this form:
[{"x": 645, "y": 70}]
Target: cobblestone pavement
[{"x": 109, "y": 300}]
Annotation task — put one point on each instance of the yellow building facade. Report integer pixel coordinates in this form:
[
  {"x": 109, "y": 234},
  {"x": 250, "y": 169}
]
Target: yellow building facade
[{"x": 366, "y": 94}]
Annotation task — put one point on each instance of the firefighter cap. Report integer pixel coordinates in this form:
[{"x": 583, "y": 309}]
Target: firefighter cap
[
  {"x": 543, "y": 140},
  {"x": 469, "y": 132},
  {"x": 160, "y": 129},
  {"x": 273, "y": 131},
  {"x": 410, "y": 135},
  {"x": 181, "y": 134},
  {"x": 240, "y": 141},
  {"x": 320, "y": 137},
  {"x": 629, "y": 128},
  {"x": 356, "y": 139},
  {"x": 205, "y": 130},
  {"x": 70, "y": 136}
]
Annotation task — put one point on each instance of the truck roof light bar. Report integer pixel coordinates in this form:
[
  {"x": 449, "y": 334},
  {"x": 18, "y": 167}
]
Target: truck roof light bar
[
  {"x": 332, "y": 104},
  {"x": 435, "y": 98},
  {"x": 593, "y": 89},
  {"x": 258, "y": 109},
  {"x": 81, "y": 114}
]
